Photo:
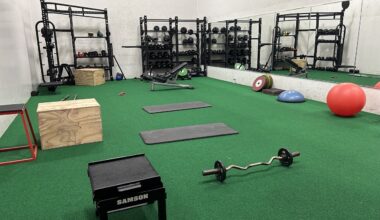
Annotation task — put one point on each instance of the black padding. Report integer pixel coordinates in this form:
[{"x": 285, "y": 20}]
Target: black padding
[
  {"x": 175, "y": 107},
  {"x": 186, "y": 133},
  {"x": 11, "y": 108}
]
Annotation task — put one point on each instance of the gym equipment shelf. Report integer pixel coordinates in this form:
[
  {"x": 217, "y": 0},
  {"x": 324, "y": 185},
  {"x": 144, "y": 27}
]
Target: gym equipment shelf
[
  {"x": 149, "y": 44},
  {"x": 233, "y": 44},
  {"x": 48, "y": 32},
  {"x": 338, "y": 33}
]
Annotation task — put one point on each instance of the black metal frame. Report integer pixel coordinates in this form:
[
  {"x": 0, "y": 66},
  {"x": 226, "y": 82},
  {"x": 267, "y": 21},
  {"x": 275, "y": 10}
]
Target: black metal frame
[
  {"x": 339, "y": 37},
  {"x": 200, "y": 46},
  {"x": 228, "y": 46},
  {"x": 147, "y": 62},
  {"x": 147, "y": 46},
  {"x": 71, "y": 11}
]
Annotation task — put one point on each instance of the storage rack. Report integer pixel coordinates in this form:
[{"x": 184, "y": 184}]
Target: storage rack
[
  {"x": 231, "y": 48},
  {"x": 51, "y": 44},
  {"x": 151, "y": 45},
  {"x": 198, "y": 66},
  {"x": 338, "y": 33}
]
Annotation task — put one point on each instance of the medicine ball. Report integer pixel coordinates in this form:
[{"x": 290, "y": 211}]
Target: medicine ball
[
  {"x": 190, "y": 40},
  {"x": 245, "y": 37},
  {"x": 156, "y": 28},
  {"x": 223, "y": 30},
  {"x": 183, "y": 30},
  {"x": 230, "y": 38},
  {"x": 232, "y": 28},
  {"x": 214, "y": 41},
  {"x": 184, "y": 41},
  {"x": 166, "y": 38},
  {"x": 190, "y": 31},
  {"x": 164, "y": 28},
  {"x": 238, "y": 28},
  {"x": 119, "y": 76},
  {"x": 215, "y": 30},
  {"x": 240, "y": 37}
]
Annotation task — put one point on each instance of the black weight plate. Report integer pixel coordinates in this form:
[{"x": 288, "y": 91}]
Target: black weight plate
[
  {"x": 221, "y": 176},
  {"x": 287, "y": 157}
]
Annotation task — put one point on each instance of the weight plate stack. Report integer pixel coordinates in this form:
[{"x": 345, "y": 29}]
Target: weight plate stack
[
  {"x": 269, "y": 81},
  {"x": 259, "y": 83}
]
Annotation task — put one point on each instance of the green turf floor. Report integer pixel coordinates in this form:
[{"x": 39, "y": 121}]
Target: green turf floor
[
  {"x": 336, "y": 177},
  {"x": 337, "y": 77}
]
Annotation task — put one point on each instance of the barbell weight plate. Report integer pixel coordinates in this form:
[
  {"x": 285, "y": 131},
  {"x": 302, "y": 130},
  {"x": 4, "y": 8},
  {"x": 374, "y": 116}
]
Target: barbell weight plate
[
  {"x": 221, "y": 176},
  {"x": 287, "y": 157},
  {"x": 259, "y": 83},
  {"x": 269, "y": 81}
]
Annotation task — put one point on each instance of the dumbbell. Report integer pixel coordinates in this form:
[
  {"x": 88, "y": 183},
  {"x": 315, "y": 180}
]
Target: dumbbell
[
  {"x": 220, "y": 171},
  {"x": 214, "y": 41}
]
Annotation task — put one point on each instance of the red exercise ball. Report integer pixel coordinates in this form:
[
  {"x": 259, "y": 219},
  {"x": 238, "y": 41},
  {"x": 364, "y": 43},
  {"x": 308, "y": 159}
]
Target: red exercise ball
[
  {"x": 346, "y": 99},
  {"x": 377, "y": 86}
]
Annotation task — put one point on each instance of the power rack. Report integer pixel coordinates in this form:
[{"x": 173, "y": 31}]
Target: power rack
[
  {"x": 338, "y": 38},
  {"x": 48, "y": 31}
]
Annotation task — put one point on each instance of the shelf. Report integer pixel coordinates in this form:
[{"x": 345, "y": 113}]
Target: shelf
[
  {"x": 90, "y": 57},
  {"x": 290, "y": 35},
  {"x": 160, "y": 59},
  {"x": 328, "y": 41},
  {"x": 307, "y": 29},
  {"x": 152, "y": 31},
  {"x": 89, "y": 37}
]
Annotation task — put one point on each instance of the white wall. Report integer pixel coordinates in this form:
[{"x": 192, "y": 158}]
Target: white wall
[
  {"x": 217, "y": 10},
  {"x": 123, "y": 23},
  {"x": 16, "y": 74}
]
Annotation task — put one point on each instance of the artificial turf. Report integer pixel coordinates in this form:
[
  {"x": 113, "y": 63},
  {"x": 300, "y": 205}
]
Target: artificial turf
[
  {"x": 336, "y": 176},
  {"x": 339, "y": 77}
]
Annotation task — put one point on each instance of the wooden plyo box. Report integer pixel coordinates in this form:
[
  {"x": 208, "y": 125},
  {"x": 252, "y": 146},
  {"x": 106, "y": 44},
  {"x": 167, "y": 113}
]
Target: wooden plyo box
[
  {"x": 89, "y": 77},
  {"x": 67, "y": 123}
]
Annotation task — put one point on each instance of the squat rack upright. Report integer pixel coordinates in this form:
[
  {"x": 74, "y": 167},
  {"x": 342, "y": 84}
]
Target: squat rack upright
[{"x": 51, "y": 44}]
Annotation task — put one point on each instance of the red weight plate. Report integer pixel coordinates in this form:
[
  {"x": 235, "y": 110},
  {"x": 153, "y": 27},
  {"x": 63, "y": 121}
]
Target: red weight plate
[{"x": 259, "y": 83}]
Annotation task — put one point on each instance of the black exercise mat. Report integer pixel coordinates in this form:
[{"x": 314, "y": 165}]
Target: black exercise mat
[
  {"x": 175, "y": 107},
  {"x": 186, "y": 133}
]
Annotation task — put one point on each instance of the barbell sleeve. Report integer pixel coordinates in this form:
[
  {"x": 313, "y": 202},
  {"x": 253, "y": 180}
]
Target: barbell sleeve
[
  {"x": 210, "y": 172},
  {"x": 296, "y": 154}
]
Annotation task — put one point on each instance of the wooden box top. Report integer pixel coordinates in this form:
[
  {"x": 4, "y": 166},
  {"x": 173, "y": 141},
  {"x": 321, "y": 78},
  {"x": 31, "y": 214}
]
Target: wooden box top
[{"x": 65, "y": 105}]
